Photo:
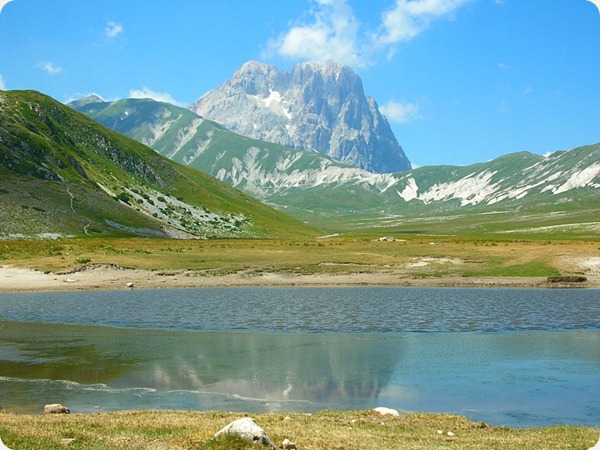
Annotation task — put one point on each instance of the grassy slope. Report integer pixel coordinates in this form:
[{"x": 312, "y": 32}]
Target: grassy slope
[{"x": 42, "y": 142}]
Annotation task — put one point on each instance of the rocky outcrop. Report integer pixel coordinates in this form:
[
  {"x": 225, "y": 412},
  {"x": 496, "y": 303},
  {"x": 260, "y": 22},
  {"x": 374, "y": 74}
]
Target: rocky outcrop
[{"x": 314, "y": 107}]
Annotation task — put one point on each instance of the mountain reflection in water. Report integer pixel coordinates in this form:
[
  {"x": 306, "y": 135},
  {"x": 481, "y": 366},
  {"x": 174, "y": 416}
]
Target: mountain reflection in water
[
  {"x": 317, "y": 370},
  {"x": 507, "y": 357}
]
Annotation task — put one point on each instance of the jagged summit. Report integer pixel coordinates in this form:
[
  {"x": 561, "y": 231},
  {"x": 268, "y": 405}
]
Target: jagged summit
[{"x": 313, "y": 107}]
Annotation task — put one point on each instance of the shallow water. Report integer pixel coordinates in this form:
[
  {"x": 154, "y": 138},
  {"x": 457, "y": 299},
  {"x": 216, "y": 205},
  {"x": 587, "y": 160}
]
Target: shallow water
[{"x": 507, "y": 357}]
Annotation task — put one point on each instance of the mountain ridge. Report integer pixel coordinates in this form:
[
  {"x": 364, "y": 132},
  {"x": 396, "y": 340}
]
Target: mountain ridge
[
  {"x": 313, "y": 107},
  {"x": 319, "y": 190}
]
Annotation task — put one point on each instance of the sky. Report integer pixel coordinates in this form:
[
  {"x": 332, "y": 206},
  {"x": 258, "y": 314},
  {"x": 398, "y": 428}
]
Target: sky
[{"x": 460, "y": 81}]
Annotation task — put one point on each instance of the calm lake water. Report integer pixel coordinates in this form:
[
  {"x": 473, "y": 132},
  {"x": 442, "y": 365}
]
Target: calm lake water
[{"x": 507, "y": 357}]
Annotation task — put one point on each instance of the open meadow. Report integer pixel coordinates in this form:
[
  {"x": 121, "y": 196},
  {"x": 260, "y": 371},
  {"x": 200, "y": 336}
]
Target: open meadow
[{"x": 339, "y": 260}]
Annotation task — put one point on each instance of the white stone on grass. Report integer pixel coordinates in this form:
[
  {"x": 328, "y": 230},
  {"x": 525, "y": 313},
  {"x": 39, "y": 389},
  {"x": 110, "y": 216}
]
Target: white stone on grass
[
  {"x": 387, "y": 411},
  {"x": 56, "y": 408},
  {"x": 248, "y": 430}
]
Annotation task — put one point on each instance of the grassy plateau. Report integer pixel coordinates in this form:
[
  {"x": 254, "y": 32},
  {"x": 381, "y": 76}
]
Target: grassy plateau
[{"x": 417, "y": 257}]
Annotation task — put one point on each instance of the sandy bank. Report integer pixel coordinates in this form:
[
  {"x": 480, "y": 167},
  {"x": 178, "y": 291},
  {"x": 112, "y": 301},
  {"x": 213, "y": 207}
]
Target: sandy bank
[{"x": 108, "y": 277}]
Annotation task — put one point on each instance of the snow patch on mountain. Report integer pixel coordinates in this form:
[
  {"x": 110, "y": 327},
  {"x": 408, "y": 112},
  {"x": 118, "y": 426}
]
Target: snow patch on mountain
[
  {"x": 580, "y": 179},
  {"x": 157, "y": 131},
  {"x": 410, "y": 191},
  {"x": 201, "y": 145},
  {"x": 186, "y": 134},
  {"x": 273, "y": 102},
  {"x": 471, "y": 189}
]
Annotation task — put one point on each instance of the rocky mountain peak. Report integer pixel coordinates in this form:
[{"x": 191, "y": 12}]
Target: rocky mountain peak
[
  {"x": 92, "y": 98},
  {"x": 313, "y": 107}
]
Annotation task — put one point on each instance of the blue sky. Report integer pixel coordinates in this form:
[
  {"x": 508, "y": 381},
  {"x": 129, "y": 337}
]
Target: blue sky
[{"x": 461, "y": 81}]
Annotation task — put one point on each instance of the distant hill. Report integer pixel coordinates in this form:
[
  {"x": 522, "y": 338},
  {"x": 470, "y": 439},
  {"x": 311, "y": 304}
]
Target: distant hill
[{"x": 64, "y": 174}]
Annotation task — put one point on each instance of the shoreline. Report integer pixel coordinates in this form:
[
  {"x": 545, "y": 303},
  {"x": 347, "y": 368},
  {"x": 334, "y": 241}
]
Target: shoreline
[{"x": 112, "y": 277}]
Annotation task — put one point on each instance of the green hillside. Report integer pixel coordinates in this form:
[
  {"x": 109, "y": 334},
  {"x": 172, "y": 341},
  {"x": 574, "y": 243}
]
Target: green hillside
[
  {"x": 64, "y": 174},
  {"x": 520, "y": 194}
]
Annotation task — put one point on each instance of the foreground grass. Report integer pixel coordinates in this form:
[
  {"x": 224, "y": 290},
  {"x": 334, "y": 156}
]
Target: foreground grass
[
  {"x": 416, "y": 256},
  {"x": 359, "y": 430}
]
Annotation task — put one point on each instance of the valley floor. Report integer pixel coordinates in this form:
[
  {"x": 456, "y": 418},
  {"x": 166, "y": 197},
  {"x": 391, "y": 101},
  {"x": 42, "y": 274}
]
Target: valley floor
[
  {"x": 110, "y": 264},
  {"x": 108, "y": 277}
]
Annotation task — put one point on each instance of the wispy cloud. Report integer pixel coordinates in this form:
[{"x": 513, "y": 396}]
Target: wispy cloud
[
  {"x": 2, "y": 84},
  {"x": 528, "y": 90},
  {"x": 146, "y": 92},
  {"x": 113, "y": 29},
  {"x": 409, "y": 18},
  {"x": 50, "y": 68},
  {"x": 401, "y": 112},
  {"x": 332, "y": 30}
]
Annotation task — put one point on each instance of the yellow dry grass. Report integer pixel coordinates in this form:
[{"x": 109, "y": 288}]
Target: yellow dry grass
[{"x": 357, "y": 430}]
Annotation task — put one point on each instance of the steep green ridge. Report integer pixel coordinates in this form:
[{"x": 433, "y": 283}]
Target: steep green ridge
[
  {"x": 64, "y": 174},
  {"x": 185, "y": 137}
]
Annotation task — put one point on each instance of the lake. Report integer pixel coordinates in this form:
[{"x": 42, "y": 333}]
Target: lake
[{"x": 517, "y": 357}]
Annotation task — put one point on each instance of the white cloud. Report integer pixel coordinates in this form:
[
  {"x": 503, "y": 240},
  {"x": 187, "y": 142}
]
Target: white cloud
[
  {"x": 332, "y": 35},
  {"x": 334, "y": 32},
  {"x": 410, "y": 18},
  {"x": 50, "y": 68},
  {"x": 401, "y": 112},
  {"x": 113, "y": 29},
  {"x": 146, "y": 92},
  {"x": 2, "y": 85}
]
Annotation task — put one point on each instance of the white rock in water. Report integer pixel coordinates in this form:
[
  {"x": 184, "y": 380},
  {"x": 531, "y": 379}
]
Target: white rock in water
[
  {"x": 387, "y": 411},
  {"x": 247, "y": 429}
]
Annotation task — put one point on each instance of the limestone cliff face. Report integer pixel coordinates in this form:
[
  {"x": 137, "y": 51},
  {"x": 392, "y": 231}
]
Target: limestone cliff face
[{"x": 314, "y": 107}]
